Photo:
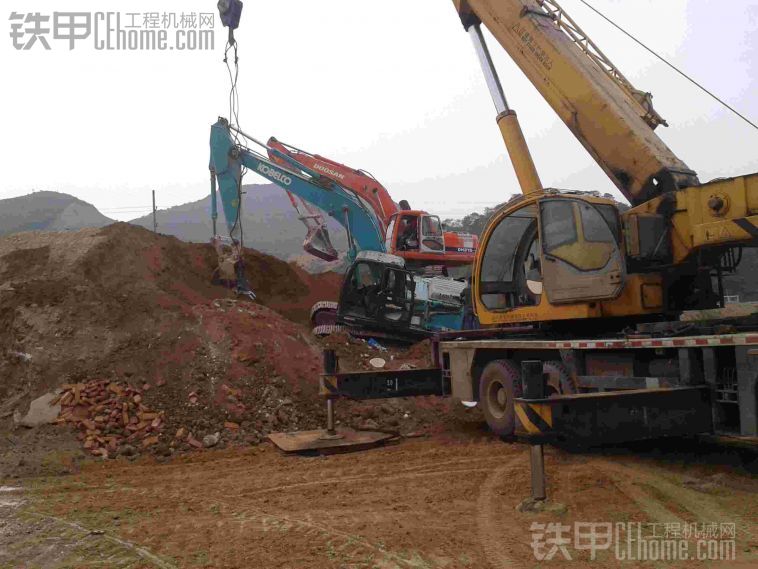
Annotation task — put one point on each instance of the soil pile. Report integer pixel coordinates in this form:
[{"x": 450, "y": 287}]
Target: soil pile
[
  {"x": 124, "y": 305},
  {"x": 124, "y": 309}
]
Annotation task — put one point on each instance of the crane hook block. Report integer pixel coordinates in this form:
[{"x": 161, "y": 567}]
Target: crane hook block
[{"x": 230, "y": 12}]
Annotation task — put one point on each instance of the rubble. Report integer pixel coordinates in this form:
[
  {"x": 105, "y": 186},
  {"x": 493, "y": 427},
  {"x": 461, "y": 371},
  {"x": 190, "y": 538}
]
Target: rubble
[
  {"x": 110, "y": 417},
  {"x": 211, "y": 440}
]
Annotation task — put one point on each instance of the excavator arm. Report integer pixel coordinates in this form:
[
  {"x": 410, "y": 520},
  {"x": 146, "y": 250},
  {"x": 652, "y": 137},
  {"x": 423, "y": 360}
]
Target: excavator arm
[
  {"x": 362, "y": 183},
  {"x": 614, "y": 121},
  {"x": 228, "y": 159}
]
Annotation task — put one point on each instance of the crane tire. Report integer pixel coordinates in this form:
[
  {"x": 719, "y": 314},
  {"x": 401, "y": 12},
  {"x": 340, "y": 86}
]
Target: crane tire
[
  {"x": 499, "y": 386},
  {"x": 559, "y": 380}
]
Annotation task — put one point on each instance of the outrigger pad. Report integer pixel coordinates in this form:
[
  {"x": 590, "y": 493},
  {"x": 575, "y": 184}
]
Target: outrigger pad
[{"x": 320, "y": 442}]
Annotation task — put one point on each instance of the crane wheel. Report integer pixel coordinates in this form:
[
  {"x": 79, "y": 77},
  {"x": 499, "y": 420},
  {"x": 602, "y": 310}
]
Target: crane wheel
[
  {"x": 499, "y": 385},
  {"x": 559, "y": 380}
]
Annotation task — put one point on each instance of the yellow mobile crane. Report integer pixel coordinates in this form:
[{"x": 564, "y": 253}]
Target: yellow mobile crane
[
  {"x": 555, "y": 267},
  {"x": 658, "y": 257},
  {"x": 566, "y": 284}
]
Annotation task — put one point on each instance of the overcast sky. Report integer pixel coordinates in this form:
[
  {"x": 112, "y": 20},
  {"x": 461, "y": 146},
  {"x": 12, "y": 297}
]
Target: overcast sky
[{"x": 390, "y": 86}]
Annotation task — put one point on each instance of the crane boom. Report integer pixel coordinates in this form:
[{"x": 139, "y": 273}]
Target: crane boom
[{"x": 614, "y": 121}]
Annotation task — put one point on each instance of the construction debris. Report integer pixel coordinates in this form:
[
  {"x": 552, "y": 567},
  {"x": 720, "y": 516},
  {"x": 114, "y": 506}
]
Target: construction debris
[{"x": 109, "y": 416}]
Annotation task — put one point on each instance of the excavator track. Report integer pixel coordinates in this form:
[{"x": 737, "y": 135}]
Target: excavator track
[
  {"x": 324, "y": 313},
  {"x": 327, "y": 329}
]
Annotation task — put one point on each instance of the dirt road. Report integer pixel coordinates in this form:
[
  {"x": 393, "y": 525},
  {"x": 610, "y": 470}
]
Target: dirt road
[{"x": 446, "y": 501}]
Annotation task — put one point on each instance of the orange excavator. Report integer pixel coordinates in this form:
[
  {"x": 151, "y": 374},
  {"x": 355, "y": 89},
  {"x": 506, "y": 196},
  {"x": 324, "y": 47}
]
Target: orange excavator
[{"x": 414, "y": 235}]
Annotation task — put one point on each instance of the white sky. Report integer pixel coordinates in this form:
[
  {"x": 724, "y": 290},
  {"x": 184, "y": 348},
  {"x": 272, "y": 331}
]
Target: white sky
[{"x": 390, "y": 86}]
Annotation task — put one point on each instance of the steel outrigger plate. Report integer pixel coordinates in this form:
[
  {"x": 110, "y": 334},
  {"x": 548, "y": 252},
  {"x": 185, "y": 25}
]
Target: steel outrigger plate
[{"x": 320, "y": 441}]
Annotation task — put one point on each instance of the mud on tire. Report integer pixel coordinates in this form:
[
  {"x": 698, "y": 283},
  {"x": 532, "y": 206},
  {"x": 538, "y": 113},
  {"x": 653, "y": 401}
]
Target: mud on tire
[{"x": 499, "y": 385}]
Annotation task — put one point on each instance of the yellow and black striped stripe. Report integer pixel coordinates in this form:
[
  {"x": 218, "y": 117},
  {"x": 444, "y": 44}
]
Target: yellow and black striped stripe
[
  {"x": 535, "y": 418},
  {"x": 748, "y": 226},
  {"x": 328, "y": 385}
]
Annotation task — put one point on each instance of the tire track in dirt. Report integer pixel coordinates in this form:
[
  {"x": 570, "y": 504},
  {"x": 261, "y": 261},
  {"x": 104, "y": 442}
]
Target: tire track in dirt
[
  {"x": 492, "y": 530},
  {"x": 700, "y": 504},
  {"x": 351, "y": 546},
  {"x": 654, "y": 508},
  {"x": 353, "y": 479}
]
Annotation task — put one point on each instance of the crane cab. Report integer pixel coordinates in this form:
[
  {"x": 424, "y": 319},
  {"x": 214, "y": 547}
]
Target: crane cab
[{"x": 550, "y": 257}]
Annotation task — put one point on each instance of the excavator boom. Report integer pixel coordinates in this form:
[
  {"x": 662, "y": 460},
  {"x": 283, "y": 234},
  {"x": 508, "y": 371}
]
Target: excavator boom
[
  {"x": 228, "y": 159},
  {"x": 360, "y": 182},
  {"x": 454, "y": 249}
]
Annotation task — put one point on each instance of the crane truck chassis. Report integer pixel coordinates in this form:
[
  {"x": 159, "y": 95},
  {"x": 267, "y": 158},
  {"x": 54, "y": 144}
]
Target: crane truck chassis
[{"x": 642, "y": 386}]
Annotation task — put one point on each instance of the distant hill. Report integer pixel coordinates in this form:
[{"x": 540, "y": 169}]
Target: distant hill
[
  {"x": 48, "y": 211},
  {"x": 269, "y": 221}
]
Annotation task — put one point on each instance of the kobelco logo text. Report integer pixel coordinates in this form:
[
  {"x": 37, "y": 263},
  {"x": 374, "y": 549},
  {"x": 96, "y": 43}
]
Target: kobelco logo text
[
  {"x": 278, "y": 176},
  {"x": 326, "y": 170}
]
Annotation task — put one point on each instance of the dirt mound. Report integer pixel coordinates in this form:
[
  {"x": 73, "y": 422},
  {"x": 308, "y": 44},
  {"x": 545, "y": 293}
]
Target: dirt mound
[
  {"x": 122, "y": 304},
  {"x": 127, "y": 308}
]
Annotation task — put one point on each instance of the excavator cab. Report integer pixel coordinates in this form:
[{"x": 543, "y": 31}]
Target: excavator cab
[
  {"x": 415, "y": 231},
  {"x": 377, "y": 290},
  {"x": 551, "y": 250}
]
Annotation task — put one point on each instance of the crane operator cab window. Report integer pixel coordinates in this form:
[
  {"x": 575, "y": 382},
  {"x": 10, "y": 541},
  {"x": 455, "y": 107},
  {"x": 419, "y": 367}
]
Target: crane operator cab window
[
  {"x": 565, "y": 248},
  {"x": 511, "y": 273}
]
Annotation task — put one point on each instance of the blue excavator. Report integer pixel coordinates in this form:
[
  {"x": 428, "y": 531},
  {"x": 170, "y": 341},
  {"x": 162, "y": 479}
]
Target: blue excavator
[
  {"x": 379, "y": 296},
  {"x": 230, "y": 154}
]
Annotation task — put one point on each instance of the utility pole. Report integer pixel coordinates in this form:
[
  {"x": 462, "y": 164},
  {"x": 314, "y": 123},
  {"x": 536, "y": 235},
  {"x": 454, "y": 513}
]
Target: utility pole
[{"x": 155, "y": 220}]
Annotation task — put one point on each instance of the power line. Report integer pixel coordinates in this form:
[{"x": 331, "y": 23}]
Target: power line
[{"x": 671, "y": 65}]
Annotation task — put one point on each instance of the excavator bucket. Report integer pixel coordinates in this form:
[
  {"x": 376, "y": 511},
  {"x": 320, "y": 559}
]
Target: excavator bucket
[{"x": 318, "y": 243}]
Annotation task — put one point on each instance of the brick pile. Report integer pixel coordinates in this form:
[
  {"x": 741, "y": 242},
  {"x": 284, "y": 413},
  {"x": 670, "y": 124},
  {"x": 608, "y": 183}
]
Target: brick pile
[{"x": 109, "y": 417}]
